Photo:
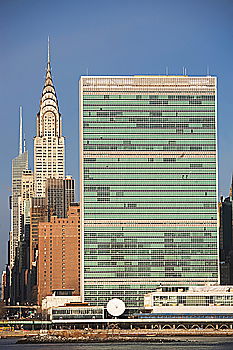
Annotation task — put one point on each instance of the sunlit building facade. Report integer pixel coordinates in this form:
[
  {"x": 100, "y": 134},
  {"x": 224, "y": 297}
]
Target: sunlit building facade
[
  {"x": 59, "y": 194},
  {"x": 59, "y": 253},
  {"x": 148, "y": 190},
  {"x": 19, "y": 165},
  {"x": 49, "y": 144}
]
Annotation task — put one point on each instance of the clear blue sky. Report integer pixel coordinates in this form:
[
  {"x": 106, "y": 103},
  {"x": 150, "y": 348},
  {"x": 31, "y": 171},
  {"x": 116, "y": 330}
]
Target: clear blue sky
[{"x": 115, "y": 37}]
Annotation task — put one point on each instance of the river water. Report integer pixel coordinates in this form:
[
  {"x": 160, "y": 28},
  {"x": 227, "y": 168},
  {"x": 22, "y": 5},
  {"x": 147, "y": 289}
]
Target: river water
[{"x": 192, "y": 343}]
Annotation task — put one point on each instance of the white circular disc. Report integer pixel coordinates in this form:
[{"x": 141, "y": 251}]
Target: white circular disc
[{"x": 115, "y": 307}]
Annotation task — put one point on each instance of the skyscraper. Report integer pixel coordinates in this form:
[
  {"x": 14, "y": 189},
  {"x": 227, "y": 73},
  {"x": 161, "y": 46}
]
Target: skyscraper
[
  {"x": 38, "y": 213},
  {"x": 49, "y": 144},
  {"x": 69, "y": 192},
  {"x": 20, "y": 273},
  {"x": 226, "y": 238},
  {"x": 19, "y": 164},
  {"x": 59, "y": 253},
  {"x": 52, "y": 196},
  {"x": 24, "y": 201},
  {"x": 148, "y": 189},
  {"x": 31, "y": 201},
  {"x": 59, "y": 193}
]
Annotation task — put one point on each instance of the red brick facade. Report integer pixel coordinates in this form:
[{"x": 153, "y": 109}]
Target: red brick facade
[{"x": 59, "y": 254}]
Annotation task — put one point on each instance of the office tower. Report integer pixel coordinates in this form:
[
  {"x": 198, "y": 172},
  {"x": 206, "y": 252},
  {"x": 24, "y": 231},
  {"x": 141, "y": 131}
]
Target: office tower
[
  {"x": 226, "y": 240},
  {"x": 225, "y": 236},
  {"x": 49, "y": 171},
  {"x": 148, "y": 184},
  {"x": 38, "y": 213},
  {"x": 27, "y": 192},
  {"x": 3, "y": 286},
  {"x": 49, "y": 144},
  {"x": 59, "y": 253},
  {"x": 21, "y": 270},
  {"x": 69, "y": 192},
  {"x": 54, "y": 196},
  {"x": 59, "y": 193},
  {"x": 27, "y": 184},
  {"x": 19, "y": 164}
]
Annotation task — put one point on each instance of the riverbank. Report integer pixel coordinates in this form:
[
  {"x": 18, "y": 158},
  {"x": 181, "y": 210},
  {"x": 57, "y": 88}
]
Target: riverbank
[
  {"x": 187, "y": 343},
  {"x": 114, "y": 335},
  {"x": 115, "y": 339}
]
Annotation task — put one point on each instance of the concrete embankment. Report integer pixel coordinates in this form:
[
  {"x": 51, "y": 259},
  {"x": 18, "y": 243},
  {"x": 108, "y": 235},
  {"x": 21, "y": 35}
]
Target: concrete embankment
[
  {"x": 59, "y": 339},
  {"x": 119, "y": 335}
]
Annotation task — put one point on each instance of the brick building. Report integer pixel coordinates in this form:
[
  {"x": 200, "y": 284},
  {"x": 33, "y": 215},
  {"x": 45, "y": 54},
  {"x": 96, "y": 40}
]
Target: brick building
[{"x": 59, "y": 253}]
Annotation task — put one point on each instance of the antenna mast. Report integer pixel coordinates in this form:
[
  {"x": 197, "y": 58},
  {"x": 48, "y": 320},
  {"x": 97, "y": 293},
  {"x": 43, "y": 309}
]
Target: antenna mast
[
  {"x": 20, "y": 130},
  {"x": 48, "y": 50},
  {"x": 24, "y": 143}
]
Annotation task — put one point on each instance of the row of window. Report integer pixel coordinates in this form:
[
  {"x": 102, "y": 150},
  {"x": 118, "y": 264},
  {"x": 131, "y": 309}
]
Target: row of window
[{"x": 150, "y": 97}]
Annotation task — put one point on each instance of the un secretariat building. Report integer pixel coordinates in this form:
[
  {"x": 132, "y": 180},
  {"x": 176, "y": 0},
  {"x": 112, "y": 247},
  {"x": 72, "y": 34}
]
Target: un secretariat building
[{"x": 148, "y": 184}]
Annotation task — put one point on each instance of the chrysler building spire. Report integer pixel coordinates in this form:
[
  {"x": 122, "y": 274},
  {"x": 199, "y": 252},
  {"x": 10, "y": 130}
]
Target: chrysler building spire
[
  {"x": 48, "y": 51},
  {"x": 49, "y": 145},
  {"x": 49, "y": 118}
]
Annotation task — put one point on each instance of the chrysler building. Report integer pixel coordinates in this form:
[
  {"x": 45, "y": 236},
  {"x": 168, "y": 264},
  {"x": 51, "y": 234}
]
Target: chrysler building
[{"x": 49, "y": 144}]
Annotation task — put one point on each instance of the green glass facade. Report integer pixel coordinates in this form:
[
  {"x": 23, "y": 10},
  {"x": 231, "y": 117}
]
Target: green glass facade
[{"x": 148, "y": 184}]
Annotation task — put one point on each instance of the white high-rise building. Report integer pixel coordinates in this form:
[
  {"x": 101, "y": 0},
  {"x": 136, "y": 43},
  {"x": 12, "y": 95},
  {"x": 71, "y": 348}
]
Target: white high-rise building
[
  {"x": 19, "y": 164},
  {"x": 49, "y": 144},
  {"x": 27, "y": 192}
]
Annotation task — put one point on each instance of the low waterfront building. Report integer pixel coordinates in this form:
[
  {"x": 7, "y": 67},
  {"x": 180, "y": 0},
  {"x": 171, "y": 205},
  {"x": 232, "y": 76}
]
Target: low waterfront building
[
  {"x": 75, "y": 312},
  {"x": 59, "y": 297},
  {"x": 209, "y": 301}
]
